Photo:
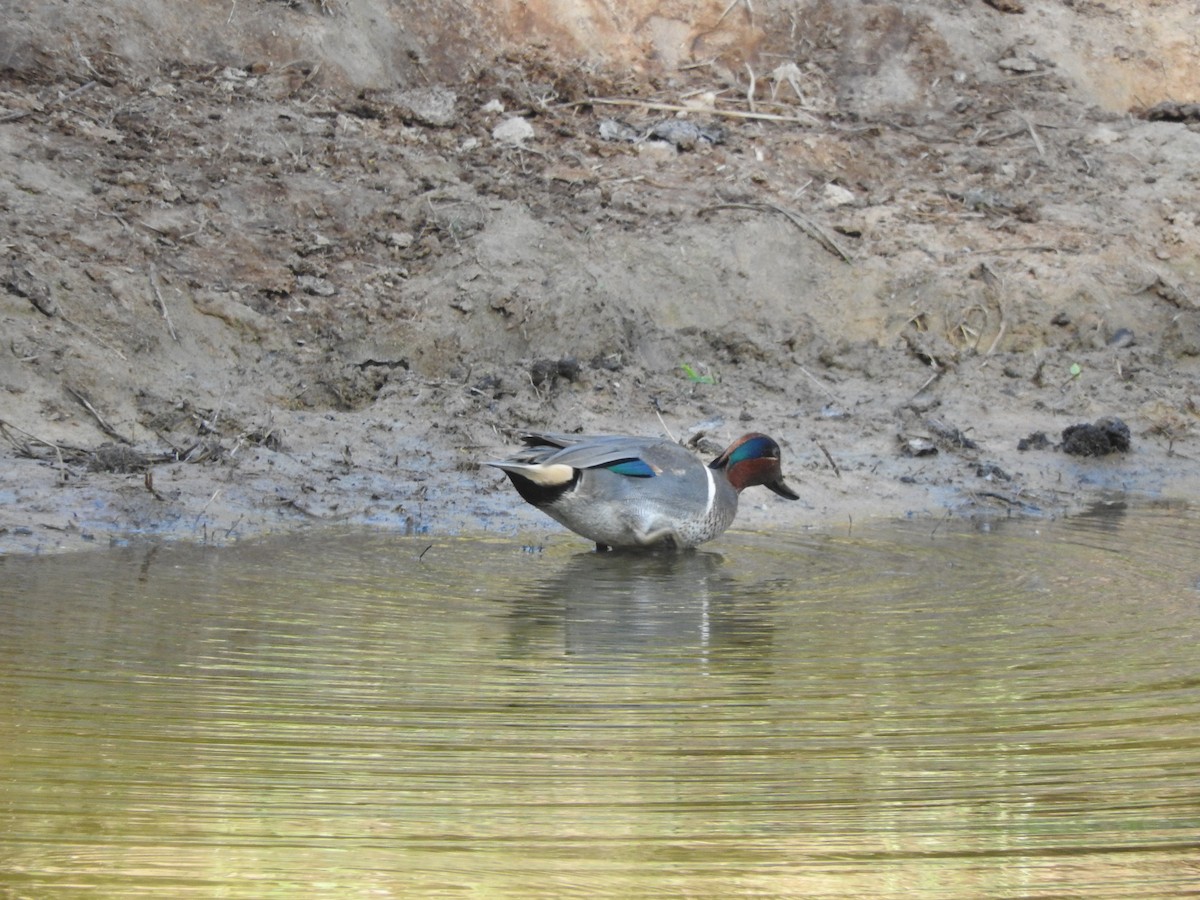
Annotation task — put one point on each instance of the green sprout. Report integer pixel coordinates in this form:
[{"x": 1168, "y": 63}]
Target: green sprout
[
  {"x": 1076, "y": 370},
  {"x": 695, "y": 376}
]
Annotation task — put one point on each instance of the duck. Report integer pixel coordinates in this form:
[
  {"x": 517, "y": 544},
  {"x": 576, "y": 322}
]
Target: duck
[{"x": 625, "y": 493}]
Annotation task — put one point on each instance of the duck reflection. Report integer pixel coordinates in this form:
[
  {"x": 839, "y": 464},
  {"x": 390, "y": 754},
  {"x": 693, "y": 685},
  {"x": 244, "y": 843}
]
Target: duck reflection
[{"x": 626, "y": 604}]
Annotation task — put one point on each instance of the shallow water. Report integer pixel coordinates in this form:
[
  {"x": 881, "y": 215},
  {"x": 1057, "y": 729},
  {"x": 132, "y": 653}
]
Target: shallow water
[{"x": 908, "y": 710}]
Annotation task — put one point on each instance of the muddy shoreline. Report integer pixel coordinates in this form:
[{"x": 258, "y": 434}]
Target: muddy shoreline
[{"x": 844, "y": 482}]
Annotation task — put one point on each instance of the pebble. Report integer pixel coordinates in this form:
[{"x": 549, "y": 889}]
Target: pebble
[
  {"x": 1122, "y": 337},
  {"x": 513, "y": 130}
]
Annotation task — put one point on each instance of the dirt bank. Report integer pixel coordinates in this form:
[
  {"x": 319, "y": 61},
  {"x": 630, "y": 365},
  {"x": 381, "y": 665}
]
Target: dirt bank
[{"x": 268, "y": 265}]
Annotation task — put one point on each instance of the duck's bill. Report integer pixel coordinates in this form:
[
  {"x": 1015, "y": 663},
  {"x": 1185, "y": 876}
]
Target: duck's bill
[{"x": 779, "y": 487}]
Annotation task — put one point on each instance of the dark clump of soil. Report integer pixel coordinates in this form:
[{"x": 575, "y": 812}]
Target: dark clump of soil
[
  {"x": 1035, "y": 441},
  {"x": 1099, "y": 438}
]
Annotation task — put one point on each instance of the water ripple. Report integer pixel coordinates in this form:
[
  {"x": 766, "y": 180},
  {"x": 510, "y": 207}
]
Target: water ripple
[{"x": 995, "y": 710}]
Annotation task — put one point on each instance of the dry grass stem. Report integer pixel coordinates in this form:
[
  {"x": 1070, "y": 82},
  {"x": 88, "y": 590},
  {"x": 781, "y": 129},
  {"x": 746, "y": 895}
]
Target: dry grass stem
[
  {"x": 675, "y": 107},
  {"x": 162, "y": 304},
  {"x": 100, "y": 420},
  {"x": 805, "y": 224}
]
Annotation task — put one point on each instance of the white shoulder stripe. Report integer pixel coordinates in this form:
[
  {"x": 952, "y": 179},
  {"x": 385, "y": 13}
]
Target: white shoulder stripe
[
  {"x": 539, "y": 473},
  {"x": 712, "y": 492}
]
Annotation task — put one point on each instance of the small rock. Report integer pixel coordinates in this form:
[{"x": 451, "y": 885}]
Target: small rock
[
  {"x": 432, "y": 106},
  {"x": 616, "y": 130},
  {"x": 492, "y": 106},
  {"x": 318, "y": 287},
  {"x": 917, "y": 446},
  {"x": 1018, "y": 64},
  {"x": 835, "y": 195},
  {"x": 833, "y": 411},
  {"x": 992, "y": 472},
  {"x": 685, "y": 134},
  {"x": 1122, "y": 337},
  {"x": 22, "y": 282},
  {"x": 513, "y": 130}
]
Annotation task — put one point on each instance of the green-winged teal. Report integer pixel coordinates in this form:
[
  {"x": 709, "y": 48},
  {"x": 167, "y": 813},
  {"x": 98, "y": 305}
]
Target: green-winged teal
[{"x": 632, "y": 492}]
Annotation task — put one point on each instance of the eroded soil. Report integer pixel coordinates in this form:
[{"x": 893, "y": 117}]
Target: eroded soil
[{"x": 261, "y": 294}]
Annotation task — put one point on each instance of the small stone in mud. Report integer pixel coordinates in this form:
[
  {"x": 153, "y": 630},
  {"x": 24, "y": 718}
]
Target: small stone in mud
[
  {"x": 917, "y": 446},
  {"x": 1122, "y": 337},
  {"x": 992, "y": 472},
  {"x": 22, "y": 283},
  {"x": 318, "y": 287},
  {"x": 1104, "y": 436},
  {"x": 686, "y": 134},
  {"x": 433, "y": 106},
  {"x": 1035, "y": 441},
  {"x": 616, "y": 130}
]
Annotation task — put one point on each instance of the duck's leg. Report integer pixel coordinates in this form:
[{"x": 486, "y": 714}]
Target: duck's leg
[{"x": 664, "y": 536}]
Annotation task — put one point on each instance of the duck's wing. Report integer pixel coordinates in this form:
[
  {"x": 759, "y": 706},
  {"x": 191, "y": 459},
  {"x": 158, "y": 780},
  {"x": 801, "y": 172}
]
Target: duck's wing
[{"x": 619, "y": 453}]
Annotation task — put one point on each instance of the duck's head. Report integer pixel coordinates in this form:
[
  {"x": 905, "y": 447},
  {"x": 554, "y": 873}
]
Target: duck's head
[{"x": 754, "y": 459}]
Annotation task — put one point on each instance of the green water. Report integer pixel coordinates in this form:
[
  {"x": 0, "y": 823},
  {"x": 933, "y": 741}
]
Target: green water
[{"x": 909, "y": 710}]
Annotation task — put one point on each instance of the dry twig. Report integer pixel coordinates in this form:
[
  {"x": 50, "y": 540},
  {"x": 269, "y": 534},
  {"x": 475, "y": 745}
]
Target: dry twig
[
  {"x": 22, "y": 113},
  {"x": 729, "y": 9},
  {"x": 821, "y": 447},
  {"x": 805, "y": 224},
  {"x": 674, "y": 107},
  {"x": 1037, "y": 141},
  {"x": 819, "y": 383},
  {"x": 100, "y": 420},
  {"x": 162, "y": 304},
  {"x": 663, "y": 423}
]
